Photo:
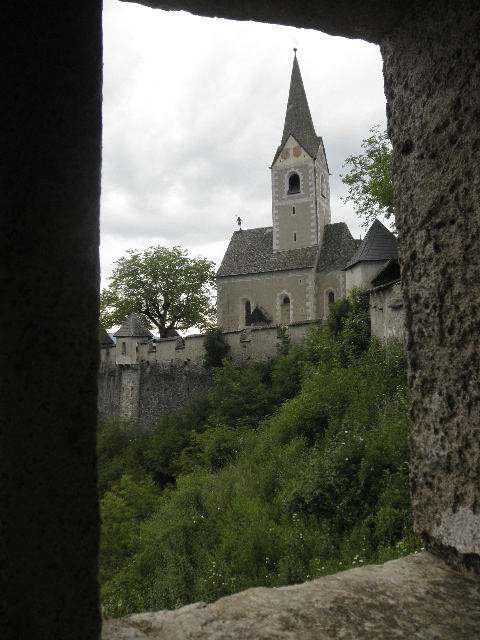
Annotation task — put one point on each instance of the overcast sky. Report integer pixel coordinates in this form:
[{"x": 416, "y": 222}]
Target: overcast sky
[{"x": 193, "y": 112}]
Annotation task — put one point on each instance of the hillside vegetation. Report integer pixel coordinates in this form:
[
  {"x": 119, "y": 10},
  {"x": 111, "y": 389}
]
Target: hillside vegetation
[{"x": 283, "y": 472}]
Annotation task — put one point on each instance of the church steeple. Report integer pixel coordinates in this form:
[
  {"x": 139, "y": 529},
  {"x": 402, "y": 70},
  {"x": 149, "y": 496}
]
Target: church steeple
[
  {"x": 300, "y": 185},
  {"x": 298, "y": 120}
]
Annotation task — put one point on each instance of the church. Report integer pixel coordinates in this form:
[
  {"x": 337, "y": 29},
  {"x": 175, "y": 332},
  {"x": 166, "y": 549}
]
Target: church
[{"x": 292, "y": 271}]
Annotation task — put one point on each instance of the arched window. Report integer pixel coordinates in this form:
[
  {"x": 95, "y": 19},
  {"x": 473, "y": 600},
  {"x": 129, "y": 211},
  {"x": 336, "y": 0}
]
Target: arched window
[
  {"x": 284, "y": 309},
  {"x": 248, "y": 313},
  {"x": 331, "y": 297},
  {"x": 293, "y": 184},
  {"x": 323, "y": 187}
]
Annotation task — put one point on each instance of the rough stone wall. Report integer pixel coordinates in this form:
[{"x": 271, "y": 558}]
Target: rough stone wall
[
  {"x": 432, "y": 83},
  {"x": 164, "y": 379},
  {"x": 145, "y": 391}
]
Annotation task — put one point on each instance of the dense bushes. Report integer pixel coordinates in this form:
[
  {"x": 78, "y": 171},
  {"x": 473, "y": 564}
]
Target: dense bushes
[{"x": 283, "y": 472}]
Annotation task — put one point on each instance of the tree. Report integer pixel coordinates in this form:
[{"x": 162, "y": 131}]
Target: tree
[
  {"x": 165, "y": 287},
  {"x": 369, "y": 180},
  {"x": 216, "y": 347}
]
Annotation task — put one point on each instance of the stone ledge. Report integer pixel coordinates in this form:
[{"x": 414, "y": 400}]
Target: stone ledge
[{"x": 418, "y": 597}]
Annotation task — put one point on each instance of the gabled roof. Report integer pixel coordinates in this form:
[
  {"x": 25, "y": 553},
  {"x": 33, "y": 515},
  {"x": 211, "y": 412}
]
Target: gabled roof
[
  {"x": 338, "y": 246},
  {"x": 298, "y": 120},
  {"x": 387, "y": 274},
  {"x": 105, "y": 339},
  {"x": 259, "y": 314},
  {"x": 251, "y": 251},
  {"x": 378, "y": 244},
  {"x": 133, "y": 328}
]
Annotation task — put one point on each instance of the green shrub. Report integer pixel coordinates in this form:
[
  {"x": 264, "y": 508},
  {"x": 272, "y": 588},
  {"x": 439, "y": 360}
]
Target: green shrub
[
  {"x": 284, "y": 471},
  {"x": 216, "y": 347}
]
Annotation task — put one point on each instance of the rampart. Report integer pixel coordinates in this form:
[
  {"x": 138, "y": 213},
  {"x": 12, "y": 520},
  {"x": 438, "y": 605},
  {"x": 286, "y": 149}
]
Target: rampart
[{"x": 163, "y": 375}]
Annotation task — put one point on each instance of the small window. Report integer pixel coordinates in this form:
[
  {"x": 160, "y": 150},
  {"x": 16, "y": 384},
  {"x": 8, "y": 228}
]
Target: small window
[
  {"x": 294, "y": 237},
  {"x": 124, "y": 348},
  {"x": 293, "y": 184},
  {"x": 331, "y": 297},
  {"x": 286, "y": 300},
  {"x": 323, "y": 187},
  {"x": 248, "y": 313},
  {"x": 293, "y": 211}
]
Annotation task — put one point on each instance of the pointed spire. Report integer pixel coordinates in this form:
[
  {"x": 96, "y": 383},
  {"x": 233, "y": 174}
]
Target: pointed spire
[
  {"x": 298, "y": 120},
  {"x": 133, "y": 328}
]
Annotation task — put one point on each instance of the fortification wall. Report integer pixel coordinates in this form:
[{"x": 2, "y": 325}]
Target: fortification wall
[
  {"x": 163, "y": 377},
  {"x": 386, "y": 312}
]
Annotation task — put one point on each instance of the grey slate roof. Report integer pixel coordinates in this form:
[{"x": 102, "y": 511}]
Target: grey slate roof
[
  {"x": 390, "y": 272},
  {"x": 105, "y": 339},
  {"x": 378, "y": 244},
  {"x": 251, "y": 251},
  {"x": 298, "y": 120},
  {"x": 133, "y": 328},
  {"x": 338, "y": 246}
]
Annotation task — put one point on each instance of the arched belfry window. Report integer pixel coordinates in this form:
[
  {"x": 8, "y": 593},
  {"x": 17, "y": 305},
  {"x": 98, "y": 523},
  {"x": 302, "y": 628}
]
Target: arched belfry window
[
  {"x": 248, "y": 313},
  {"x": 285, "y": 309},
  {"x": 293, "y": 184}
]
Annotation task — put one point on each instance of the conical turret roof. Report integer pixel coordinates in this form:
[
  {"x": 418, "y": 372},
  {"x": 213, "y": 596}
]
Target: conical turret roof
[
  {"x": 133, "y": 328},
  {"x": 298, "y": 120},
  {"x": 378, "y": 244}
]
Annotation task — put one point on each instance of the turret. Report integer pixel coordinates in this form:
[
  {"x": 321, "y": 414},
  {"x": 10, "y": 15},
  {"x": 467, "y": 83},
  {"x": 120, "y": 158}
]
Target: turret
[{"x": 130, "y": 333}]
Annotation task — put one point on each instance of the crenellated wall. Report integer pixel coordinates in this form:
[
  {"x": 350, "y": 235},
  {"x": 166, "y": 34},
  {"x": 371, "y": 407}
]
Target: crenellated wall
[{"x": 162, "y": 377}]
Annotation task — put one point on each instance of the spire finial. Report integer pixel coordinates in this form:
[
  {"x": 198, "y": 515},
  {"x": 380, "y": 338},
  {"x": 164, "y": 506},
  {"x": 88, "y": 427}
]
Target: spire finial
[{"x": 295, "y": 50}]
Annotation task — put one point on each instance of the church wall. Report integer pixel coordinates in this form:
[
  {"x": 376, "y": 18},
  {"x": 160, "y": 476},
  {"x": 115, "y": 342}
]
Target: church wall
[
  {"x": 328, "y": 281},
  {"x": 265, "y": 289},
  {"x": 362, "y": 273}
]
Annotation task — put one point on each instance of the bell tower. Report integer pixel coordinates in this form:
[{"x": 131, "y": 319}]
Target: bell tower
[{"x": 300, "y": 177}]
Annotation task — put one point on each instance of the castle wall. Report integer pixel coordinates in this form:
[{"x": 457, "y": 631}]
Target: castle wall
[
  {"x": 386, "y": 313},
  {"x": 164, "y": 378}
]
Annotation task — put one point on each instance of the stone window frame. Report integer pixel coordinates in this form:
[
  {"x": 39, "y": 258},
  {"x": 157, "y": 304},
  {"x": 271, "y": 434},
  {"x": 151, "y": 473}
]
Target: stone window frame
[
  {"x": 326, "y": 297},
  {"x": 280, "y": 298},
  {"x": 323, "y": 186},
  {"x": 244, "y": 300},
  {"x": 288, "y": 177}
]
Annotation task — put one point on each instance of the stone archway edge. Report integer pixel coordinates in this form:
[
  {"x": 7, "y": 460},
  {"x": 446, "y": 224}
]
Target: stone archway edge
[
  {"x": 415, "y": 597},
  {"x": 369, "y": 20}
]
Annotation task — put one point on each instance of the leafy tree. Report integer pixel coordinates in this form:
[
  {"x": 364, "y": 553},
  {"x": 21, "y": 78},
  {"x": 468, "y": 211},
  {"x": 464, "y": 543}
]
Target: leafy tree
[
  {"x": 216, "y": 347},
  {"x": 165, "y": 287},
  {"x": 369, "y": 180}
]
